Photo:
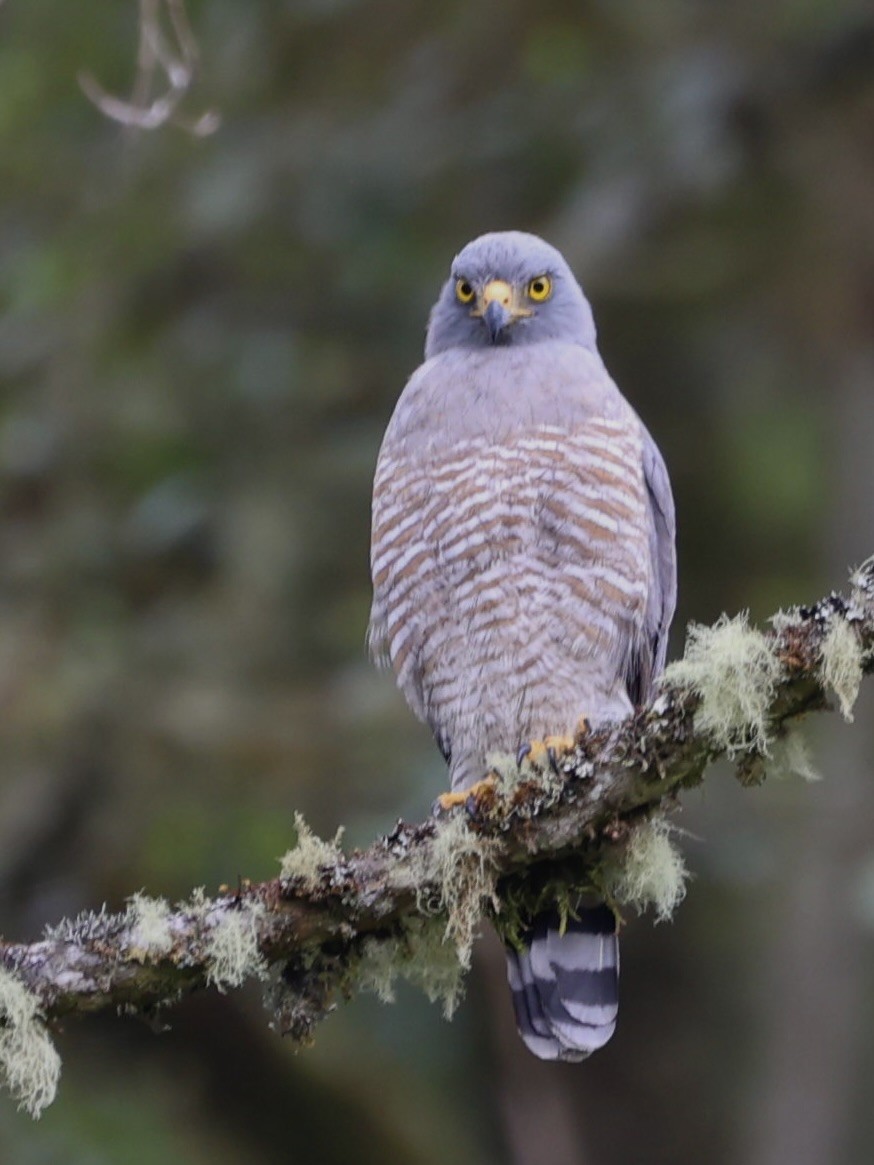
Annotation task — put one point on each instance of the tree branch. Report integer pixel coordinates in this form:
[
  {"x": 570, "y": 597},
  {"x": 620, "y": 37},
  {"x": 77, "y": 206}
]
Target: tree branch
[{"x": 334, "y": 923}]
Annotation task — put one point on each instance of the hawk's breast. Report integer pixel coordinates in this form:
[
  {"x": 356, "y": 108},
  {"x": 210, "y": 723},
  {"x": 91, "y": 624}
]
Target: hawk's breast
[{"x": 527, "y": 555}]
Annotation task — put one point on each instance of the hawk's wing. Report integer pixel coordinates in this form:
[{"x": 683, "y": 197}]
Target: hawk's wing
[
  {"x": 401, "y": 494},
  {"x": 649, "y": 659}
]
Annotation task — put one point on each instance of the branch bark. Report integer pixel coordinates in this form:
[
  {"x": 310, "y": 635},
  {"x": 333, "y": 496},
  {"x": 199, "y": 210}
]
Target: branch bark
[{"x": 335, "y": 922}]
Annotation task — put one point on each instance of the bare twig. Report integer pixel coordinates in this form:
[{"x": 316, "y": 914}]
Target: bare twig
[
  {"x": 175, "y": 58},
  {"x": 334, "y": 923}
]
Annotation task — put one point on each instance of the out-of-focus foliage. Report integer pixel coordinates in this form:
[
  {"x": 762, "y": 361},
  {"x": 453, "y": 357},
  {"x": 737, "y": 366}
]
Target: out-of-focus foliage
[{"x": 200, "y": 344}]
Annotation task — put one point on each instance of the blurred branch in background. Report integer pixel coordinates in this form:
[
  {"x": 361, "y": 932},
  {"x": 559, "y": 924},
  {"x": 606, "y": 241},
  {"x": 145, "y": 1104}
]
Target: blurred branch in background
[
  {"x": 173, "y": 57},
  {"x": 333, "y": 924}
]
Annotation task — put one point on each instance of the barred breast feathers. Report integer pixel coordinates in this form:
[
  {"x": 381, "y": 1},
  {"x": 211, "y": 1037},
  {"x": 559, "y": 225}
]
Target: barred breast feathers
[
  {"x": 566, "y": 508},
  {"x": 508, "y": 554}
]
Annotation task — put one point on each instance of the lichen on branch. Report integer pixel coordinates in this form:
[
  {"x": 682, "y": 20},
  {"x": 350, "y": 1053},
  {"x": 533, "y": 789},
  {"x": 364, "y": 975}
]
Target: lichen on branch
[{"x": 335, "y": 923}]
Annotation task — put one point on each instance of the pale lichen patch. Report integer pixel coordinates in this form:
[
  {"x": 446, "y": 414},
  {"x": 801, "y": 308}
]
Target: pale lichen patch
[
  {"x": 790, "y": 756},
  {"x": 87, "y": 927},
  {"x": 506, "y": 768},
  {"x": 29, "y": 1062},
  {"x": 512, "y": 773},
  {"x": 650, "y": 871},
  {"x": 422, "y": 955},
  {"x": 463, "y": 868},
  {"x": 311, "y": 853},
  {"x": 230, "y": 946},
  {"x": 862, "y": 580},
  {"x": 841, "y": 666},
  {"x": 454, "y": 877},
  {"x": 734, "y": 670},
  {"x": 786, "y": 620},
  {"x": 379, "y": 968},
  {"x": 148, "y": 921}
]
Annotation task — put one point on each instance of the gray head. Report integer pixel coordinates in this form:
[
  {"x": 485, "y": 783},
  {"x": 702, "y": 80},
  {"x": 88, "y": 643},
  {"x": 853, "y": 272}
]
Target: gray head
[{"x": 509, "y": 287}]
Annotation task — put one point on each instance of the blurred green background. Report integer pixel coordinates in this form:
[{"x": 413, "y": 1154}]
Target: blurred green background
[{"x": 201, "y": 342}]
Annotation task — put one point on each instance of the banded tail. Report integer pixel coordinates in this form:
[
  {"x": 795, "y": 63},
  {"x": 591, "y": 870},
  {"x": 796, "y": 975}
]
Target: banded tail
[{"x": 566, "y": 986}]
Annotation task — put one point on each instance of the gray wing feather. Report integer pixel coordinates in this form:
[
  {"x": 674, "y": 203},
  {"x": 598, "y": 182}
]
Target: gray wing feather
[
  {"x": 649, "y": 658},
  {"x": 662, "y": 548}
]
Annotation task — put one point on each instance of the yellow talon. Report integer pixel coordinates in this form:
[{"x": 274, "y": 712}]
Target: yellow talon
[
  {"x": 481, "y": 788},
  {"x": 549, "y": 750}
]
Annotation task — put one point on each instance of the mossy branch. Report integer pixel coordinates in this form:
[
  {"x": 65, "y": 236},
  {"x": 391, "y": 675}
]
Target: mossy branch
[{"x": 334, "y": 923}]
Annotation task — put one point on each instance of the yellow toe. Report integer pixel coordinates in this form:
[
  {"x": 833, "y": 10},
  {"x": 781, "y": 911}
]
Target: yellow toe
[
  {"x": 546, "y": 751},
  {"x": 461, "y": 797}
]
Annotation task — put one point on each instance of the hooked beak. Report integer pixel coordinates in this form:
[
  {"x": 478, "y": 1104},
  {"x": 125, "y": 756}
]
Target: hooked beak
[
  {"x": 496, "y": 317},
  {"x": 498, "y": 308}
]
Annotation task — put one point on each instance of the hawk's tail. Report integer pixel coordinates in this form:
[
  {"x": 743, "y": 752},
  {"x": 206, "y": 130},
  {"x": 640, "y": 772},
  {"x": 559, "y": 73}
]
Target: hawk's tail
[{"x": 566, "y": 984}]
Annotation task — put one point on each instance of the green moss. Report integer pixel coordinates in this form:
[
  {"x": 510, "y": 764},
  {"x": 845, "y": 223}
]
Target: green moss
[{"x": 555, "y": 885}]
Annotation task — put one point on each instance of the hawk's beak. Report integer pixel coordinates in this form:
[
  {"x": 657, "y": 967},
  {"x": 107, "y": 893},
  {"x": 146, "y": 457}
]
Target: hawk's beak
[
  {"x": 498, "y": 307},
  {"x": 496, "y": 317}
]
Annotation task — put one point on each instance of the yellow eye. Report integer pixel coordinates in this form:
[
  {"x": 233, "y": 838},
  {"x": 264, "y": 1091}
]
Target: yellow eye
[
  {"x": 464, "y": 292},
  {"x": 540, "y": 288}
]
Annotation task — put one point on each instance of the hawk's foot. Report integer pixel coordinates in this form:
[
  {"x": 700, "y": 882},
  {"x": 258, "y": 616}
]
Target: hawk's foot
[
  {"x": 482, "y": 788},
  {"x": 549, "y": 750}
]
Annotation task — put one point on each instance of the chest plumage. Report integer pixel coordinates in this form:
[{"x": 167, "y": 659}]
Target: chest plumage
[{"x": 509, "y": 550}]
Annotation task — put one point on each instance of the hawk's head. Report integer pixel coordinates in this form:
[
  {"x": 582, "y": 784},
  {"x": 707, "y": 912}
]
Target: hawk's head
[{"x": 509, "y": 288}]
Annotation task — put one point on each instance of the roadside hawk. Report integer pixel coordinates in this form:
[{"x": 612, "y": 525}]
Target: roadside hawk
[{"x": 524, "y": 566}]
